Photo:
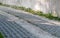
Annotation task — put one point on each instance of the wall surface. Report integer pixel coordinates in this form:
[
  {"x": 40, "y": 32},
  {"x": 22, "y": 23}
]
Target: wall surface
[
  {"x": 47, "y": 6},
  {"x": 41, "y": 5}
]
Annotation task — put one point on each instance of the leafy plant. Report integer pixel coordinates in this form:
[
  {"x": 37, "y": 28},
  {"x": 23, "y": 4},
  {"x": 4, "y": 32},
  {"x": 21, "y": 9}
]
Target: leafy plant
[
  {"x": 0, "y": 3},
  {"x": 30, "y": 10},
  {"x": 1, "y": 36}
]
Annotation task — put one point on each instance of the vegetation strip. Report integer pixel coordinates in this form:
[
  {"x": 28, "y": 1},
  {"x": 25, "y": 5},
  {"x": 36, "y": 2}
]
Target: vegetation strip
[{"x": 40, "y": 13}]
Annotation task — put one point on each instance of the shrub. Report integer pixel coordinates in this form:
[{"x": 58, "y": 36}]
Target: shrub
[
  {"x": 39, "y": 13},
  {"x": 14, "y": 7},
  {"x": 6, "y": 5},
  {"x": 29, "y": 10},
  {"x": 1, "y": 36},
  {"x": 22, "y": 8},
  {"x": 0, "y": 3}
]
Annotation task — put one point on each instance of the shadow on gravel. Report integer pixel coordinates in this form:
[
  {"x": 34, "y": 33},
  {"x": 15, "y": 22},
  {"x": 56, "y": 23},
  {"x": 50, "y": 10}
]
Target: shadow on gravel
[
  {"x": 11, "y": 29},
  {"x": 53, "y": 29}
]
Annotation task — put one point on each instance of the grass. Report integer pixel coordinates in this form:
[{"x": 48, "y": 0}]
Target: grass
[
  {"x": 40, "y": 13},
  {"x": 1, "y": 36}
]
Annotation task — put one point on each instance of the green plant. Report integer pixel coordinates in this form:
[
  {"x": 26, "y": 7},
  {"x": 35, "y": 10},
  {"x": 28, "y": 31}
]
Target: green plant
[
  {"x": 30, "y": 10},
  {"x": 14, "y": 7},
  {"x": 1, "y": 36},
  {"x": 6, "y": 5},
  {"x": 22, "y": 8},
  {"x": 0, "y": 3},
  {"x": 40, "y": 13}
]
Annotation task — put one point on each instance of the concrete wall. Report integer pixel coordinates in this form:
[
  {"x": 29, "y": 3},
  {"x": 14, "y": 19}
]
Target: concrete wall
[
  {"x": 41, "y": 5},
  {"x": 47, "y": 6},
  {"x": 55, "y": 7}
]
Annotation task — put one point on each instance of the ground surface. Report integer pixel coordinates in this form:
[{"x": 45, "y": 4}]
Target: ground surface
[{"x": 15, "y": 23}]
